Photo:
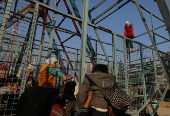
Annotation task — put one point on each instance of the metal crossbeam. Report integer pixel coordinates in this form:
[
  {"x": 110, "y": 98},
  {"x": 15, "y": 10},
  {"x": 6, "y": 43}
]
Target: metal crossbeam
[{"x": 164, "y": 8}]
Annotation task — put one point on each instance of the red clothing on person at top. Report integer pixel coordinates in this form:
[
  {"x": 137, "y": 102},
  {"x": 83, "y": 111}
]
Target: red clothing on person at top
[{"x": 129, "y": 31}]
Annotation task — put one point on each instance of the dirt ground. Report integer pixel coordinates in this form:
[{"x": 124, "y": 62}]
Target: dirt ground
[{"x": 164, "y": 111}]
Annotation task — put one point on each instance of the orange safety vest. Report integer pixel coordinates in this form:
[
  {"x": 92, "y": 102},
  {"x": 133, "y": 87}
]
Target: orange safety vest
[{"x": 46, "y": 80}]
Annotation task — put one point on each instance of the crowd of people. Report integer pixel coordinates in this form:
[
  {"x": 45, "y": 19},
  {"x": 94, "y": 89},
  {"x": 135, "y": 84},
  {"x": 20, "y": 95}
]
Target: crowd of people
[{"x": 98, "y": 95}]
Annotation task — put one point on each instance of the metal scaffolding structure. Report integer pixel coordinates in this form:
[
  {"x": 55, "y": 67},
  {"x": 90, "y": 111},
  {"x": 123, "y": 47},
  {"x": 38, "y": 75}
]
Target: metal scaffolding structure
[{"x": 139, "y": 73}]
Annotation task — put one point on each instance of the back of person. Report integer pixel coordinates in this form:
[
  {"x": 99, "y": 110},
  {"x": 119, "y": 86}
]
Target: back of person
[
  {"x": 35, "y": 101},
  {"x": 47, "y": 80},
  {"x": 100, "y": 80},
  {"x": 69, "y": 96},
  {"x": 69, "y": 91},
  {"x": 93, "y": 82}
]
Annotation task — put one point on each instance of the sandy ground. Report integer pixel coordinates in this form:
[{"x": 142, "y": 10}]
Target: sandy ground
[{"x": 164, "y": 111}]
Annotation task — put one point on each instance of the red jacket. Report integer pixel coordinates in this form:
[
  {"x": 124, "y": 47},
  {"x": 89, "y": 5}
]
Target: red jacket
[{"x": 129, "y": 31}]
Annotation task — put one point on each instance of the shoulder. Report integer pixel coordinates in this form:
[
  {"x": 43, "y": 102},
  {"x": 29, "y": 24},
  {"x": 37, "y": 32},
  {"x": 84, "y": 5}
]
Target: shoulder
[
  {"x": 131, "y": 25},
  {"x": 50, "y": 66},
  {"x": 44, "y": 67}
]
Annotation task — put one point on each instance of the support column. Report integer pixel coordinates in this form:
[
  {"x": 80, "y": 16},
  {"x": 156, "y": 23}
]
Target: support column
[
  {"x": 38, "y": 64},
  {"x": 52, "y": 31},
  {"x": 125, "y": 65},
  {"x": 164, "y": 8},
  {"x": 153, "y": 31},
  {"x": 30, "y": 43},
  {"x": 142, "y": 70},
  {"x": 77, "y": 14},
  {"x": 84, "y": 39},
  {"x": 114, "y": 55}
]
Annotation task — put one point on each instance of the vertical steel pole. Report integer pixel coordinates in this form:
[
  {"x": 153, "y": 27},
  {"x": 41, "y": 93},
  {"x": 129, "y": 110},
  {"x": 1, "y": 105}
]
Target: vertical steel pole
[
  {"x": 84, "y": 38},
  {"x": 15, "y": 58},
  {"x": 143, "y": 76},
  {"x": 30, "y": 43},
  {"x": 153, "y": 31},
  {"x": 125, "y": 65},
  {"x": 4, "y": 23},
  {"x": 129, "y": 54},
  {"x": 155, "y": 74},
  {"x": 44, "y": 25},
  {"x": 77, "y": 14},
  {"x": 77, "y": 60},
  {"x": 38, "y": 64},
  {"x": 50, "y": 47},
  {"x": 114, "y": 54},
  {"x": 97, "y": 61},
  {"x": 96, "y": 48},
  {"x": 58, "y": 59},
  {"x": 74, "y": 65},
  {"x": 109, "y": 67},
  {"x": 58, "y": 65}
]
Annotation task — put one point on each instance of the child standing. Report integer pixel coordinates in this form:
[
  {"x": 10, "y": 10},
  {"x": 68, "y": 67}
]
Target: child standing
[{"x": 69, "y": 95}]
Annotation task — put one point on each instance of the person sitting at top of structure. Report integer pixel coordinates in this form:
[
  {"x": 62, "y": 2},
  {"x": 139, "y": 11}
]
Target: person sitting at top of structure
[
  {"x": 93, "y": 82},
  {"x": 128, "y": 32},
  {"x": 48, "y": 74}
]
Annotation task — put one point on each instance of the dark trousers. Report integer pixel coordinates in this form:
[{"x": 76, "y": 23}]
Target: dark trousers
[
  {"x": 129, "y": 42},
  {"x": 70, "y": 108},
  {"x": 98, "y": 113}
]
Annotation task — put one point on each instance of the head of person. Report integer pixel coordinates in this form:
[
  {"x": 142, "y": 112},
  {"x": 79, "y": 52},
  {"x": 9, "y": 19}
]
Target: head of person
[
  {"x": 30, "y": 72},
  {"x": 154, "y": 98},
  {"x": 69, "y": 78},
  {"x": 100, "y": 68},
  {"x": 52, "y": 61},
  {"x": 127, "y": 24},
  {"x": 118, "y": 101}
]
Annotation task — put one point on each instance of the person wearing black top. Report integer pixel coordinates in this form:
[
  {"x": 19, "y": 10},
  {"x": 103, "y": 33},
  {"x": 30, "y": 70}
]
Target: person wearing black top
[{"x": 69, "y": 95}]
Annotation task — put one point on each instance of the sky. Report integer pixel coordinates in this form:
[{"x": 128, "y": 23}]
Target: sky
[{"x": 115, "y": 22}]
